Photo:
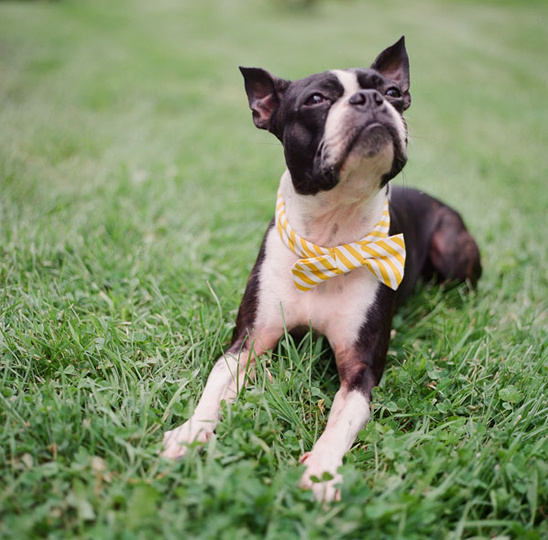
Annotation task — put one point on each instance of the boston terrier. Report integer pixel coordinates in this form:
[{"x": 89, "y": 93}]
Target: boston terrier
[{"x": 344, "y": 250}]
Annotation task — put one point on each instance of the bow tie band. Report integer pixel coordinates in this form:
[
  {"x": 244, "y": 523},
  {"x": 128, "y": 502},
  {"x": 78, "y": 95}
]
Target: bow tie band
[{"x": 382, "y": 255}]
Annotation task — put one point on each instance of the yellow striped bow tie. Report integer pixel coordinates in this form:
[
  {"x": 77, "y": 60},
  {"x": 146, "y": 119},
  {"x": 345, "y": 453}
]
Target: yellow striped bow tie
[{"x": 382, "y": 255}]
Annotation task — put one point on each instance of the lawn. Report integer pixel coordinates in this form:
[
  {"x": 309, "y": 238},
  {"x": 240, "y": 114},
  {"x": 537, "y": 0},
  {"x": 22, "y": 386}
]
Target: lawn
[{"x": 134, "y": 192}]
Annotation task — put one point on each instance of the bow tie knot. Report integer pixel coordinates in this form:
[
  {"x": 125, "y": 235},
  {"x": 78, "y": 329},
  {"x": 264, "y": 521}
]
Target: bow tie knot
[{"x": 382, "y": 255}]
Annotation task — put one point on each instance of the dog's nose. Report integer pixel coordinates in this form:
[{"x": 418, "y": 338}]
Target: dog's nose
[{"x": 366, "y": 98}]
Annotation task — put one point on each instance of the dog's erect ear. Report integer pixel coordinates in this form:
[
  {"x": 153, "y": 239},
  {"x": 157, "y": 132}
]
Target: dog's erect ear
[
  {"x": 264, "y": 93},
  {"x": 393, "y": 63}
]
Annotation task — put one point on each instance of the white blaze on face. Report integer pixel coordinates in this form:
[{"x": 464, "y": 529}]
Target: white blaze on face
[
  {"x": 338, "y": 127},
  {"x": 335, "y": 134}
]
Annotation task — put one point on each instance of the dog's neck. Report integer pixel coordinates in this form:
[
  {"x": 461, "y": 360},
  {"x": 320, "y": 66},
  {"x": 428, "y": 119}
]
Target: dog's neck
[{"x": 344, "y": 214}]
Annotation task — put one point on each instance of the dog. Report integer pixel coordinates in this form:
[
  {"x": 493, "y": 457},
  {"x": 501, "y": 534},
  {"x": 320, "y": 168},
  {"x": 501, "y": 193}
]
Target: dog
[{"x": 344, "y": 250}]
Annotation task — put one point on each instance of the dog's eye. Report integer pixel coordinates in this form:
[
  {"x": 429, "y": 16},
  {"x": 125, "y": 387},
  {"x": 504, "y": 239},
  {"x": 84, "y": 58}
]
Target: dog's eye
[
  {"x": 315, "y": 99},
  {"x": 393, "y": 92}
]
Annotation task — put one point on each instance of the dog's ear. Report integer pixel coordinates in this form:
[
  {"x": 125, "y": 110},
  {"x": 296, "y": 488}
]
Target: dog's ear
[
  {"x": 393, "y": 63},
  {"x": 264, "y": 93}
]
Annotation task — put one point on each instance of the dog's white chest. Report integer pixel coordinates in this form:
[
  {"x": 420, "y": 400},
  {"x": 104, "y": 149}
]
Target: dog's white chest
[{"x": 336, "y": 308}]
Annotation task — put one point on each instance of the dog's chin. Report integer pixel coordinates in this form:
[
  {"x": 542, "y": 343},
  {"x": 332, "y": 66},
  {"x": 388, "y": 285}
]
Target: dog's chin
[
  {"x": 372, "y": 149},
  {"x": 370, "y": 152},
  {"x": 372, "y": 140}
]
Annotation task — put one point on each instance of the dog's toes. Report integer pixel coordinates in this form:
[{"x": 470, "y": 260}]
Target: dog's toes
[
  {"x": 174, "y": 452},
  {"x": 324, "y": 491},
  {"x": 177, "y": 441},
  {"x": 173, "y": 448}
]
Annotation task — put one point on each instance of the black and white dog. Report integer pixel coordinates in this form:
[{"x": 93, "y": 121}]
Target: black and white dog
[{"x": 334, "y": 257}]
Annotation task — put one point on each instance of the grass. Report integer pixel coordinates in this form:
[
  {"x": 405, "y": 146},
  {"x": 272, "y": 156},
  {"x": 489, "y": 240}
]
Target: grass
[{"x": 134, "y": 192}]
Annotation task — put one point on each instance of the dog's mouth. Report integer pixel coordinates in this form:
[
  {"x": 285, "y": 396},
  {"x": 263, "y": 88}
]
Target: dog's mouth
[
  {"x": 365, "y": 142},
  {"x": 370, "y": 140}
]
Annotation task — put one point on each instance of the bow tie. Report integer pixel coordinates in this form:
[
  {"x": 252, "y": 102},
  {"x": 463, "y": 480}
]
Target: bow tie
[{"x": 382, "y": 255}]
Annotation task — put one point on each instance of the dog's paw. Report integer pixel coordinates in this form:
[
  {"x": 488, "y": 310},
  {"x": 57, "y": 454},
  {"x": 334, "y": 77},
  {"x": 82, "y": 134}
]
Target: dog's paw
[
  {"x": 316, "y": 467},
  {"x": 176, "y": 441}
]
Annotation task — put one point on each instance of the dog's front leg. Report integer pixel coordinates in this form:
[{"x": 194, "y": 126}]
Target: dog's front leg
[
  {"x": 231, "y": 371},
  {"x": 348, "y": 416},
  {"x": 359, "y": 371},
  {"x": 224, "y": 382},
  {"x": 229, "y": 375}
]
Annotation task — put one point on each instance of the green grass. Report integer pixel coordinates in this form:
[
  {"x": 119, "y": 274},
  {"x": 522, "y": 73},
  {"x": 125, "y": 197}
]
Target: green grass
[{"x": 134, "y": 192}]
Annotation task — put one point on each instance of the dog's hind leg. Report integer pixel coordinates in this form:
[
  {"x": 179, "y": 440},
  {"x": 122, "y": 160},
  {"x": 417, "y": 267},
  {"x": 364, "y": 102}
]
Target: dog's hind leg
[{"x": 453, "y": 252}]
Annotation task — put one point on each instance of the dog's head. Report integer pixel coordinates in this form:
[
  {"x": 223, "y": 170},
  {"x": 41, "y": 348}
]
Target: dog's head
[{"x": 339, "y": 123}]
